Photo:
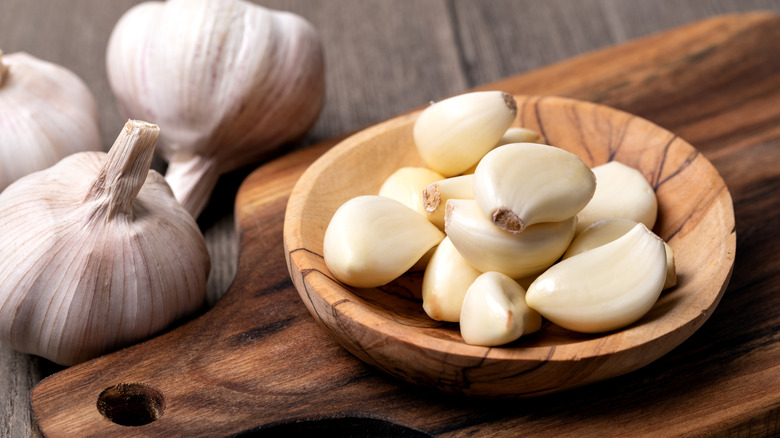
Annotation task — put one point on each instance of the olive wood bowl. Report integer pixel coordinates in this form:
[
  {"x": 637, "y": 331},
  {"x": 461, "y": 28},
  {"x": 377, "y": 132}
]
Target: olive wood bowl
[{"x": 387, "y": 327}]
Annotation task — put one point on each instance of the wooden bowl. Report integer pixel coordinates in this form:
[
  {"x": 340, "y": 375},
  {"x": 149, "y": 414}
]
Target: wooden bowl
[{"x": 387, "y": 327}]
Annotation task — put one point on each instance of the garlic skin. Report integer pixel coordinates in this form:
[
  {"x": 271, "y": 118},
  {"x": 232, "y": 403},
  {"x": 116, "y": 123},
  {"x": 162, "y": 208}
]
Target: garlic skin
[
  {"x": 455, "y": 133},
  {"x": 605, "y": 288},
  {"x": 47, "y": 113},
  {"x": 239, "y": 82},
  {"x": 101, "y": 254},
  {"x": 489, "y": 248},
  {"x": 495, "y": 312},
  {"x": 607, "y": 230},
  {"x": 436, "y": 195},
  {"x": 521, "y": 184},
  {"x": 446, "y": 280},
  {"x": 372, "y": 240},
  {"x": 621, "y": 191},
  {"x": 406, "y": 185}
]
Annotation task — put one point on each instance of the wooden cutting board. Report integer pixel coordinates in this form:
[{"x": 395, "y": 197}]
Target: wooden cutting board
[{"x": 257, "y": 363}]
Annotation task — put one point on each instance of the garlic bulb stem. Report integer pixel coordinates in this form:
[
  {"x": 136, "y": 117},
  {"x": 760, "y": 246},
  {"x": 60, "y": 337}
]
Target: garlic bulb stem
[
  {"x": 192, "y": 182},
  {"x": 125, "y": 169}
]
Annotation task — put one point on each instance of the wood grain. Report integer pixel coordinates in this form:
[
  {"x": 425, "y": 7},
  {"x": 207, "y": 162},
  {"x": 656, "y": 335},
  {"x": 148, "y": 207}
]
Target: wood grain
[{"x": 270, "y": 365}]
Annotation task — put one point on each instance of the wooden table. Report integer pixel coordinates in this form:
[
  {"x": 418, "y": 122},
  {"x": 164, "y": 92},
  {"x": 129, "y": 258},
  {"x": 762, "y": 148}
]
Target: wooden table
[{"x": 384, "y": 58}]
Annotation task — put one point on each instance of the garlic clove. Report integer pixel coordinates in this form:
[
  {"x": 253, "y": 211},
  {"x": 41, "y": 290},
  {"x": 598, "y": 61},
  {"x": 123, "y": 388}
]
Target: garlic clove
[
  {"x": 102, "y": 254},
  {"x": 240, "y": 82},
  {"x": 494, "y": 311},
  {"x": 406, "y": 185},
  {"x": 512, "y": 135},
  {"x": 446, "y": 280},
  {"x": 622, "y": 191},
  {"x": 605, "y": 288},
  {"x": 455, "y": 133},
  {"x": 489, "y": 248},
  {"x": 47, "y": 113},
  {"x": 436, "y": 195},
  {"x": 521, "y": 184},
  {"x": 607, "y": 230},
  {"x": 371, "y": 240}
]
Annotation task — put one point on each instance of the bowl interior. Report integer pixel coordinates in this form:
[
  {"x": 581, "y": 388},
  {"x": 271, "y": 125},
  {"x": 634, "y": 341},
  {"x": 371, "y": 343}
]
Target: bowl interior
[{"x": 387, "y": 326}]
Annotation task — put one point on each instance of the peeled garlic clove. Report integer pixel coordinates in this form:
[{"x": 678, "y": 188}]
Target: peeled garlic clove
[
  {"x": 230, "y": 82},
  {"x": 406, "y": 185},
  {"x": 436, "y": 195},
  {"x": 607, "y": 230},
  {"x": 606, "y": 288},
  {"x": 47, "y": 113},
  {"x": 512, "y": 135},
  {"x": 371, "y": 240},
  {"x": 446, "y": 280},
  {"x": 495, "y": 312},
  {"x": 521, "y": 184},
  {"x": 622, "y": 191},
  {"x": 97, "y": 253},
  {"x": 489, "y": 248},
  {"x": 455, "y": 133}
]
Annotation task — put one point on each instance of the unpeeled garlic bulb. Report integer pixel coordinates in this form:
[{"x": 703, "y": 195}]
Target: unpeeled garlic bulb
[
  {"x": 371, "y": 240},
  {"x": 494, "y": 311},
  {"x": 446, "y": 280},
  {"x": 407, "y": 185},
  {"x": 521, "y": 184},
  {"x": 46, "y": 114},
  {"x": 605, "y": 288},
  {"x": 489, "y": 248},
  {"x": 455, "y": 133},
  {"x": 607, "y": 230},
  {"x": 621, "y": 191},
  {"x": 97, "y": 254},
  {"x": 228, "y": 80}
]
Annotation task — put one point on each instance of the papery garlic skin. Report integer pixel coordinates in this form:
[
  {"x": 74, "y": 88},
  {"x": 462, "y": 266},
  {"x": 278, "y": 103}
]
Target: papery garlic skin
[
  {"x": 521, "y": 184},
  {"x": 436, "y": 195},
  {"x": 47, "y": 113},
  {"x": 98, "y": 254},
  {"x": 406, "y": 185},
  {"x": 371, "y": 240},
  {"x": 455, "y": 133},
  {"x": 605, "y": 288},
  {"x": 489, "y": 248},
  {"x": 607, "y": 230},
  {"x": 621, "y": 191},
  {"x": 446, "y": 280},
  {"x": 494, "y": 311},
  {"x": 230, "y": 82}
]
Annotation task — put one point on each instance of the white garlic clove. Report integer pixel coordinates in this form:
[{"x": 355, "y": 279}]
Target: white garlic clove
[
  {"x": 436, "y": 195},
  {"x": 607, "y": 230},
  {"x": 102, "y": 254},
  {"x": 372, "y": 240},
  {"x": 230, "y": 82},
  {"x": 489, "y": 248},
  {"x": 512, "y": 135},
  {"x": 47, "y": 113},
  {"x": 494, "y": 311},
  {"x": 521, "y": 184},
  {"x": 455, "y": 133},
  {"x": 446, "y": 280},
  {"x": 605, "y": 288},
  {"x": 622, "y": 191},
  {"x": 406, "y": 185}
]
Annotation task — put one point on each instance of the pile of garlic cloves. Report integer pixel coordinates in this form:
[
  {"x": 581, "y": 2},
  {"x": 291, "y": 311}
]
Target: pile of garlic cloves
[
  {"x": 509, "y": 231},
  {"x": 97, "y": 253}
]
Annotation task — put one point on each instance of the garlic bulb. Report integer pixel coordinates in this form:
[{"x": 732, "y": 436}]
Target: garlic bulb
[
  {"x": 46, "y": 114},
  {"x": 98, "y": 253},
  {"x": 229, "y": 81}
]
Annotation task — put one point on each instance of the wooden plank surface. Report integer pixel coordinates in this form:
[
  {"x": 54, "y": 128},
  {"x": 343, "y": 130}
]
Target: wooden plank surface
[{"x": 385, "y": 58}]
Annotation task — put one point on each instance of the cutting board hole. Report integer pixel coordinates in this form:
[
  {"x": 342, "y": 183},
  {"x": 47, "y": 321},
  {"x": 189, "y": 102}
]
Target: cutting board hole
[{"x": 131, "y": 404}]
